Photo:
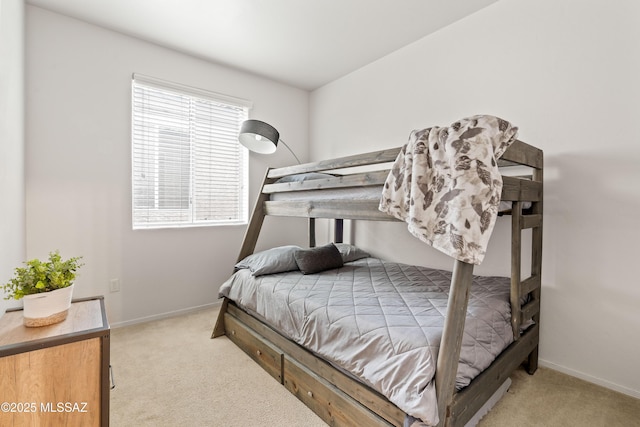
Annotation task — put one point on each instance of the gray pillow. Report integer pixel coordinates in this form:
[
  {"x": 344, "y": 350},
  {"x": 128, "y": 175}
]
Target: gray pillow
[
  {"x": 318, "y": 259},
  {"x": 350, "y": 252},
  {"x": 275, "y": 260}
]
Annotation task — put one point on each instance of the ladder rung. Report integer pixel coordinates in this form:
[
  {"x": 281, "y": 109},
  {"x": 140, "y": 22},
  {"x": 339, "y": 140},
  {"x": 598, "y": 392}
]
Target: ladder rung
[
  {"x": 529, "y": 310},
  {"x": 531, "y": 221},
  {"x": 529, "y": 284}
]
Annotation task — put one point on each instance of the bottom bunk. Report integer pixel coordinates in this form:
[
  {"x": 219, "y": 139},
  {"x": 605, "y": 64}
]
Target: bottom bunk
[
  {"x": 339, "y": 399},
  {"x": 358, "y": 341}
]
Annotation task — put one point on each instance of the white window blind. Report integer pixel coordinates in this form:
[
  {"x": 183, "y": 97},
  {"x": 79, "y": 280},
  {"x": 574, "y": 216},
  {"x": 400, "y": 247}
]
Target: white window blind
[{"x": 187, "y": 165}]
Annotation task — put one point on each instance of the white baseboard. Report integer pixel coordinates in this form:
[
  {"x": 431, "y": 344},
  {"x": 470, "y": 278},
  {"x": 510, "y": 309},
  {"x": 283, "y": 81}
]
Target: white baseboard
[
  {"x": 165, "y": 315},
  {"x": 590, "y": 378}
]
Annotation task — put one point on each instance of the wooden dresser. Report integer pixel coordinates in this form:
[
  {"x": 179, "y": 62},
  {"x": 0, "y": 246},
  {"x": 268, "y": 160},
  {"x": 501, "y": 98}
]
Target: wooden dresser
[{"x": 56, "y": 375}]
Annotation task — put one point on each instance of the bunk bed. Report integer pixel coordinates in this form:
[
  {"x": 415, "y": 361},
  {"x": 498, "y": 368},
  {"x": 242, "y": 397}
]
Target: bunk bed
[{"x": 348, "y": 188}]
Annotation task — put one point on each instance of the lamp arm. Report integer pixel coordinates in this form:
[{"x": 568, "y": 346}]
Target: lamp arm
[{"x": 289, "y": 148}]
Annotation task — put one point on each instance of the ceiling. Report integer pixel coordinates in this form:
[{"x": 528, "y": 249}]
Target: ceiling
[{"x": 303, "y": 43}]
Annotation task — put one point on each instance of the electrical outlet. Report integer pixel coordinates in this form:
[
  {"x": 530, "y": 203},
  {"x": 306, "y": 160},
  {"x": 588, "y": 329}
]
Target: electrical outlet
[{"x": 114, "y": 285}]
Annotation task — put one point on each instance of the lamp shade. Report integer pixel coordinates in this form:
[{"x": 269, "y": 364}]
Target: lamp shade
[{"x": 259, "y": 137}]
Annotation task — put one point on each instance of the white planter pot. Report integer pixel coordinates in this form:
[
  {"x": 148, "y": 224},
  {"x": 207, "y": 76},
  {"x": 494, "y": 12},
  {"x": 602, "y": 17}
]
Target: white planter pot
[{"x": 47, "y": 308}]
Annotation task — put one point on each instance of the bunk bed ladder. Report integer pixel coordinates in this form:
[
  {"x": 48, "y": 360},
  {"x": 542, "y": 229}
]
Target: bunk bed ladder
[
  {"x": 529, "y": 288},
  {"x": 457, "y": 408}
]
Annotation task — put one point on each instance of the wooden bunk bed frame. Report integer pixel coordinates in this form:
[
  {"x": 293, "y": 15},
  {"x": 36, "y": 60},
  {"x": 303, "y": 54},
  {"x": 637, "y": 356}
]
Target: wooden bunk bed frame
[{"x": 336, "y": 397}]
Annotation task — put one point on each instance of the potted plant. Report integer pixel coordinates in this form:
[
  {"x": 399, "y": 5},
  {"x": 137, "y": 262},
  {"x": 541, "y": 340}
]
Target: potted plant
[{"x": 46, "y": 288}]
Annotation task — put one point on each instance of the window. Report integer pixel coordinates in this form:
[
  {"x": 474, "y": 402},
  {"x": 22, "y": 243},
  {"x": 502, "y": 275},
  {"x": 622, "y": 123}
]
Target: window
[{"x": 187, "y": 165}]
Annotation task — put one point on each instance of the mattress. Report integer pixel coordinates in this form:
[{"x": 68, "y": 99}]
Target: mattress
[
  {"x": 381, "y": 322},
  {"x": 372, "y": 193}
]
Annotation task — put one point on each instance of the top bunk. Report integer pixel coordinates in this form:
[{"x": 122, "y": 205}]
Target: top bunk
[
  {"x": 351, "y": 187},
  {"x": 319, "y": 189}
]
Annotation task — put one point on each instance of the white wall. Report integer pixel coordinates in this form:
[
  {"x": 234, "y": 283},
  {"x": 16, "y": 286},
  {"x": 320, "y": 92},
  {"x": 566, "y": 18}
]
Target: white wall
[
  {"x": 78, "y": 165},
  {"x": 12, "y": 234},
  {"x": 567, "y": 74}
]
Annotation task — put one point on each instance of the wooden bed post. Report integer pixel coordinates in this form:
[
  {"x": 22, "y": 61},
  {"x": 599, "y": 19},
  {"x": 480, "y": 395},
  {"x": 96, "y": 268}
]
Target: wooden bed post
[
  {"x": 516, "y": 260},
  {"x": 219, "y": 329},
  {"x": 338, "y": 233},
  {"x": 255, "y": 223},
  {"x": 248, "y": 246},
  {"x": 312, "y": 232},
  {"x": 451, "y": 342},
  {"x": 536, "y": 260}
]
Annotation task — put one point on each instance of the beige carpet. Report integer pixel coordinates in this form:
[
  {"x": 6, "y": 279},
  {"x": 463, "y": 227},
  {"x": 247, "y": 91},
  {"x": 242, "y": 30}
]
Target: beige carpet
[{"x": 170, "y": 373}]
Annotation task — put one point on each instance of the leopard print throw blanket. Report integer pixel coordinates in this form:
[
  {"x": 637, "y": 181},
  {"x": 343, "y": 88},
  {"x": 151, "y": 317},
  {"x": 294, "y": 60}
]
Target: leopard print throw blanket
[{"x": 446, "y": 185}]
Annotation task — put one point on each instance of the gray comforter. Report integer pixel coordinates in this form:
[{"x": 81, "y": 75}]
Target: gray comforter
[{"x": 381, "y": 322}]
